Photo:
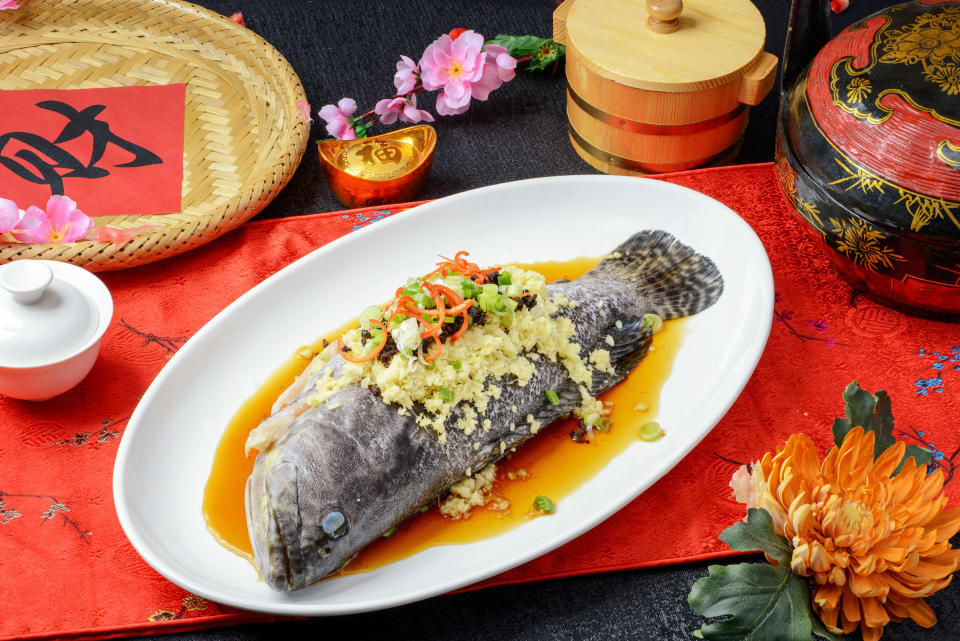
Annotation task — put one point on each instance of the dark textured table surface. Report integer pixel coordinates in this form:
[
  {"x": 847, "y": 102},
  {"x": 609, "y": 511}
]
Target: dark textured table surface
[{"x": 350, "y": 49}]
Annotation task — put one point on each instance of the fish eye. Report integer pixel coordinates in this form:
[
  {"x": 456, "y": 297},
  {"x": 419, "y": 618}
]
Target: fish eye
[{"x": 334, "y": 524}]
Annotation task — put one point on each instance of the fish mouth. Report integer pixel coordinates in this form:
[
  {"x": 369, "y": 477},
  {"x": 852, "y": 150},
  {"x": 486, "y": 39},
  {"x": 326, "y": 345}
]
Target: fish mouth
[{"x": 273, "y": 518}]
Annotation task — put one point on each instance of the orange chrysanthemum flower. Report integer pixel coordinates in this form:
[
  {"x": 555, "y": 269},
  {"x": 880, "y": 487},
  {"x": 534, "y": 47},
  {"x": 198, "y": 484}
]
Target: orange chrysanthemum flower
[{"x": 873, "y": 545}]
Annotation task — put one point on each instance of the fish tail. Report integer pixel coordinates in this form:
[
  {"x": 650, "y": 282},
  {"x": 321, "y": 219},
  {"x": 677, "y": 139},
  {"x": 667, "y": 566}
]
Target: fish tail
[{"x": 673, "y": 278}]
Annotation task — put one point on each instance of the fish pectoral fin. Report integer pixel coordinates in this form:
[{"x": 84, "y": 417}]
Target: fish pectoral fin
[
  {"x": 569, "y": 396},
  {"x": 631, "y": 342},
  {"x": 495, "y": 449}
]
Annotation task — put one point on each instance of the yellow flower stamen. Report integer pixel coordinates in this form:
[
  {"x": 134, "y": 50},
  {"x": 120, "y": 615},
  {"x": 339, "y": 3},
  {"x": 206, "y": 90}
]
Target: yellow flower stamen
[{"x": 57, "y": 234}]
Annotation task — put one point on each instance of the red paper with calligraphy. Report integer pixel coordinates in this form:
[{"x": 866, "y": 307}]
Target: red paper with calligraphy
[{"x": 115, "y": 151}]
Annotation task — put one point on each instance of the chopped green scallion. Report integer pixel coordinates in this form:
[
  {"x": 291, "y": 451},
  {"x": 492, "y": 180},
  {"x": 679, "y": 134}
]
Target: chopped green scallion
[
  {"x": 455, "y": 364},
  {"x": 390, "y": 532},
  {"x": 369, "y": 313},
  {"x": 552, "y": 397},
  {"x": 488, "y": 301},
  {"x": 651, "y": 431},
  {"x": 446, "y": 394},
  {"x": 654, "y": 321},
  {"x": 504, "y": 278},
  {"x": 423, "y": 300},
  {"x": 603, "y": 424},
  {"x": 424, "y": 509},
  {"x": 543, "y": 504}
]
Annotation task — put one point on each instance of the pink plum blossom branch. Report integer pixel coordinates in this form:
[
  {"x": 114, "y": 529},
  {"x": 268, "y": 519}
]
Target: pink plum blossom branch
[
  {"x": 460, "y": 66},
  {"x": 61, "y": 222}
]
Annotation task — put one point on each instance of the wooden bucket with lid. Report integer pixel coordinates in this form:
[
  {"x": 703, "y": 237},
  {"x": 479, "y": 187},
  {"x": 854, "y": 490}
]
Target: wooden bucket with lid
[{"x": 663, "y": 85}]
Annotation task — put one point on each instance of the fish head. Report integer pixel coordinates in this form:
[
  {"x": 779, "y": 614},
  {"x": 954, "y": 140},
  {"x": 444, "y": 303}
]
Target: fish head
[{"x": 301, "y": 531}]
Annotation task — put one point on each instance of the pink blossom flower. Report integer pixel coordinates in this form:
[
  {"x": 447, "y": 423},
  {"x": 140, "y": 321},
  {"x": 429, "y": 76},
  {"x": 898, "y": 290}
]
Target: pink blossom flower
[
  {"x": 744, "y": 487},
  {"x": 748, "y": 484},
  {"x": 8, "y": 4},
  {"x": 336, "y": 118},
  {"x": 61, "y": 223},
  {"x": 9, "y": 215},
  {"x": 453, "y": 66},
  {"x": 464, "y": 69},
  {"x": 406, "y": 77},
  {"x": 390, "y": 109},
  {"x": 498, "y": 68},
  {"x": 304, "y": 108}
]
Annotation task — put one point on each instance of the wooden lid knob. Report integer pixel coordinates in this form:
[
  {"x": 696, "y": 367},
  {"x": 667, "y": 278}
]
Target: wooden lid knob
[{"x": 664, "y": 15}]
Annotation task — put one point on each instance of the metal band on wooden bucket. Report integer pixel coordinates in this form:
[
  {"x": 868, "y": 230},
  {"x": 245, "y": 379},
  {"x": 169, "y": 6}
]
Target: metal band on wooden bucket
[
  {"x": 646, "y": 167},
  {"x": 653, "y": 129}
]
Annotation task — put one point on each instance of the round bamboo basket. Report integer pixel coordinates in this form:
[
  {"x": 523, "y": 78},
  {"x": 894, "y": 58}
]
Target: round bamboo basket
[
  {"x": 663, "y": 85},
  {"x": 243, "y": 133}
]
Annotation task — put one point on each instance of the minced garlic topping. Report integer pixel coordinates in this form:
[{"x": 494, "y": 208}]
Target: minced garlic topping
[
  {"x": 484, "y": 352},
  {"x": 600, "y": 359},
  {"x": 471, "y": 492}
]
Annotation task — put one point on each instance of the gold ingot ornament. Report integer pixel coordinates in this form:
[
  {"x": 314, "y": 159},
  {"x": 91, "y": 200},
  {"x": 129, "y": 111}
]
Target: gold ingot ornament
[{"x": 388, "y": 168}]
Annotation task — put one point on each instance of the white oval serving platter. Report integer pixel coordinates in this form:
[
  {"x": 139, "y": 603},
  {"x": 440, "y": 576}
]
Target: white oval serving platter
[{"x": 166, "y": 452}]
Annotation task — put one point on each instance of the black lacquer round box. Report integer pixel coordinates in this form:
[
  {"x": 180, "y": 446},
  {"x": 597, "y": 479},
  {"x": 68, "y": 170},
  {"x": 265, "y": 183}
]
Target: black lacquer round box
[{"x": 868, "y": 150}]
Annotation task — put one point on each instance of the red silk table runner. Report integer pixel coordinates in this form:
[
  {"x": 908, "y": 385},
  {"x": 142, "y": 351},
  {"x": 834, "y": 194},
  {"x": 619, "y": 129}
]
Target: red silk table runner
[{"x": 66, "y": 569}]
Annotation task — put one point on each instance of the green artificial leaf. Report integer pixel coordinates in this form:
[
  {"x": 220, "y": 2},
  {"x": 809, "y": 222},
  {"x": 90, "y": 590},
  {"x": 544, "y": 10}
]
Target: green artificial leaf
[
  {"x": 858, "y": 405},
  {"x": 820, "y": 629},
  {"x": 544, "y": 50},
  {"x": 920, "y": 455},
  {"x": 882, "y": 424},
  {"x": 519, "y": 45},
  {"x": 762, "y": 601},
  {"x": 359, "y": 126},
  {"x": 547, "y": 55},
  {"x": 758, "y": 534},
  {"x": 841, "y": 427},
  {"x": 874, "y": 413}
]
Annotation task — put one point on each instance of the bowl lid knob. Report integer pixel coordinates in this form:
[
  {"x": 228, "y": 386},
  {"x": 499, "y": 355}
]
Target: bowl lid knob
[{"x": 26, "y": 280}]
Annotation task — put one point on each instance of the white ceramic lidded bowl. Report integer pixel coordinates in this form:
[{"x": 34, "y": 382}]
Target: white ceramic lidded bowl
[{"x": 52, "y": 317}]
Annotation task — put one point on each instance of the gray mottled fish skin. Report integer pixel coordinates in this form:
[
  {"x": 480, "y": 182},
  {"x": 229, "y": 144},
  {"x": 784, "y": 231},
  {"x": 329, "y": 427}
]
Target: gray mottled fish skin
[{"x": 339, "y": 478}]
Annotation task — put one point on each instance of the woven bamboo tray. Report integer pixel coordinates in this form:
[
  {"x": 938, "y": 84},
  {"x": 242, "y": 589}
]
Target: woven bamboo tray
[{"x": 243, "y": 133}]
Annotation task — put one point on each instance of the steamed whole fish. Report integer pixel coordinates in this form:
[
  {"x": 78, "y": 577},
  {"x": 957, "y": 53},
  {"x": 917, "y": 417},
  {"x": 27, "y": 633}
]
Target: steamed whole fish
[{"x": 353, "y": 449}]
